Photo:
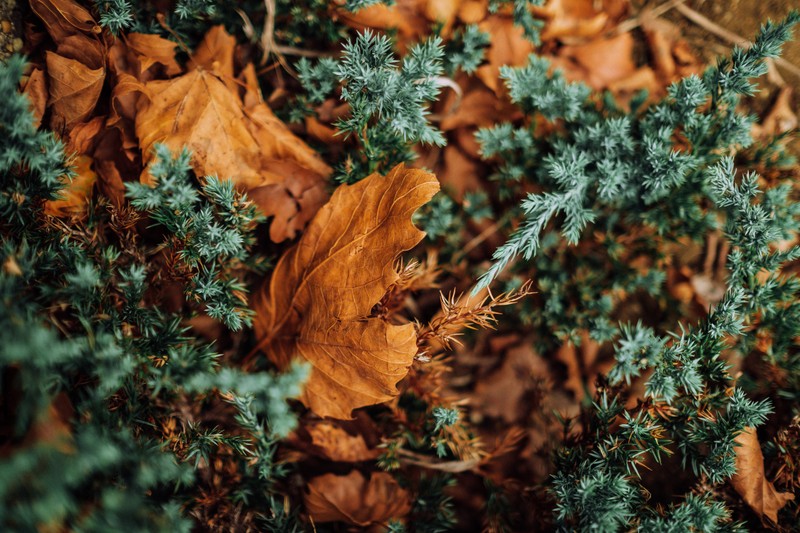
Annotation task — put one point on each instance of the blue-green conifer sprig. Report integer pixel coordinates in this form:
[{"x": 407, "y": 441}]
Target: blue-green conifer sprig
[
  {"x": 466, "y": 50},
  {"x": 88, "y": 356},
  {"x": 388, "y": 99},
  {"x": 521, "y": 12},
  {"x": 624, "y": 162},
  {"x": 210, "y": 228}
]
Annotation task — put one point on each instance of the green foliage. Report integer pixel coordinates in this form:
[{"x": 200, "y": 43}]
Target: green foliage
[
  {"x": 387, "y": 100},
  {"x": 33, "y": 166},
  {"x": 116, "y": 15},
  {"x": 646, "y": 178},
  {"x": 521, "y": 10},
  {"x": 466, "y": 50},
  {"x": 624, "y": 163},
  {"x": 210, "y": 231},
  {"x": 93, "y": 367},
  {"x": 355, "y": 5}
]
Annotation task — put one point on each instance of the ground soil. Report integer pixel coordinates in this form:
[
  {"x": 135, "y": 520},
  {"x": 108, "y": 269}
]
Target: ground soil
[{"x": 10, "y": 33}]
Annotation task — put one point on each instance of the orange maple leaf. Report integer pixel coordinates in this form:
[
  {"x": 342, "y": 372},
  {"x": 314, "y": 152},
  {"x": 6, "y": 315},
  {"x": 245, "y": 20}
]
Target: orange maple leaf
[{"x": 317, "y": 306}]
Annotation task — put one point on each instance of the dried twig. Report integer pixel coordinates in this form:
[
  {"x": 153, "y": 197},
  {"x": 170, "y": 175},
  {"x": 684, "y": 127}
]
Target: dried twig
[{"x": 459, "y": 313}]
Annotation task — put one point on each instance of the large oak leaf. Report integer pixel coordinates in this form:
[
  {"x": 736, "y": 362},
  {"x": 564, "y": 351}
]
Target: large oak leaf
[
  {"x": 233, "y": 137},
  {"x": 317, "y": 306},
  {"x": 198, "y": 111}
]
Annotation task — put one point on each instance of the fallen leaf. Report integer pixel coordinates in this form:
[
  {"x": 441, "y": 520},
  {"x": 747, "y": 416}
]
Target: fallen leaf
[
  {"x": 479, "y": 107},
  {"x": 215, "y": 53},
  {"x": 355, "y": 500},
  {"x": 75, "y": 196},
  {"x": 318, "y": 303},
  {"x": 73, "y": 29},
  {"x": 276, "y": 141},
  {"x": 36, "y": 90},
  {"x": 198, "y": 111},
  {"x": 293, "y": 202},
  {"x": 571, "y": 19},
  {"x": 74, "y": 90},
  {"x": 405, "y": 16},
  {"x": 82, "y": 137},
  {"x": 781, "y": 117},
  {"x": 336, "y": 444},
  {"x": 150, "y": 50},
  {"x": 473, "y": 11},
  {"x": 458, "y": 173},
  {"x": 750, "y": 481},
  {"x": 231, "y": 137},
  {"x": 660, "y": 41},
  {"x": 580, "y": 362},
  {"x": 501, "y": 393},
  {"x": 604, "y": 60},
  {"x": 443, "y": 12},
  {"x": 64, "y": 18},
  {"x": 508, "y": 47}
]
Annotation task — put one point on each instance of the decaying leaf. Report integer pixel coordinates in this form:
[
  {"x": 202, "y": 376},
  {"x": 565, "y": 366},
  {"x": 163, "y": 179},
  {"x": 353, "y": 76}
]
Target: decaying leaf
[
  {"x": 74, "y": 90},
  {"x": 318, "y": 303},
  {"x": 508, "y": 47},
  {"x": 75, "y": 196},
  {"x": 501, "y": 394},
  {"x": 73, "y": 30},
  {"x": 36, "y": 89},
  {"x": 198, "y": 111},
  {"x": 750, "y": 481},
  {"x": 147, "y": 50},
  {"x": 356, "y": 500},
  {"x": 336, "y": 444},
  {"x": 231, "y": 138}
]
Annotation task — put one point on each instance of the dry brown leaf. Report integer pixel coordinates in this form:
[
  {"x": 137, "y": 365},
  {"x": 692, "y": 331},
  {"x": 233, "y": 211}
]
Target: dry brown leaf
[
  {"x": 76, "y": 194},
  {"x": 198, "y": 111},
  {"x": 508, "y": 47},
  {"x": 355, "y": 500},
  {"x": 230, "y": 137},
  {"x": 479, "y": 107},
  {"x": 83, "y": 137},
  {"x": 150, "y": 50},
  {"x": 64, "y": 18},
  {"x": 604, "y": 60},
  {"x": 74, "y": 90},
  {"x": 276, "y": 141},
  {"x": 443, "y": 12},
  {"x": 36, "y": 89},
  {"x": 215, "y": 54},
  {"x": 317, "y": 306},
  {"x": 294, "y": 202},
  {"x": 750, "y": 481},
  {"x": 572, "y": 19},
  {"x": 501, "y": 393},
  {"x": 72, "y": 28},
  {"x": 458, "y": 173},
  {"x": 660, "y": 40},
  {"x": 337, "y": 444},
  {"x": 781, "y": 117},
  {"x": 405, "y": 16},
  {"x": 473, "y": 11}
]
